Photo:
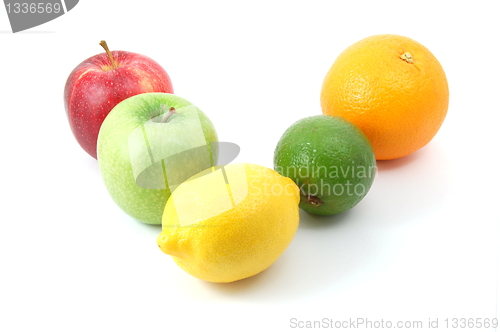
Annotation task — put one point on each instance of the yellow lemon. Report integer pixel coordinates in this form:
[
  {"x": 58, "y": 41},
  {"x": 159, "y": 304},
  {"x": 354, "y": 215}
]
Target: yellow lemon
[{"x": 229, "y": 223}]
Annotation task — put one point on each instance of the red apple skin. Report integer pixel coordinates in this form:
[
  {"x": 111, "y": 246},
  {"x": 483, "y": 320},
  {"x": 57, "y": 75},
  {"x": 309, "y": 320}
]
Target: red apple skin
[{"x": 93, "y": 88}]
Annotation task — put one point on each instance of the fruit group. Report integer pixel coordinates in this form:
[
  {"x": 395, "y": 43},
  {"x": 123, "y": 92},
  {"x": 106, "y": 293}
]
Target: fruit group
[
  {"x": 229, "y": 223},
  {"x": 99, "y": 83},
  {"x": 148, "y": 145},
  {"x": 393, "y": 88},
  {"x": 331, "y": 161}
]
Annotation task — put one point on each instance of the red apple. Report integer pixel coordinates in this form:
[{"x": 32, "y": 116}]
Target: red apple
[{"x": 97, "y": 84}]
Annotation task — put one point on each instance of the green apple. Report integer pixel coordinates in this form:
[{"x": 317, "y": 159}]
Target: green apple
[{"x": 148, "y": 145}]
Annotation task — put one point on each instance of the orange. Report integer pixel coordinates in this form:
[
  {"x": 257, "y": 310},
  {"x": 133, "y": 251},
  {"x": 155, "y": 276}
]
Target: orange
[{"x": 393, "y": 88}]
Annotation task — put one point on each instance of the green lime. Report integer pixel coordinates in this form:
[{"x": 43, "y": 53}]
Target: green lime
[{"x": 331, "y": 161}]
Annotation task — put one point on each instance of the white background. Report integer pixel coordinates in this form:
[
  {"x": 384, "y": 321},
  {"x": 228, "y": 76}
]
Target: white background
[{"x": 422, "y": 245}]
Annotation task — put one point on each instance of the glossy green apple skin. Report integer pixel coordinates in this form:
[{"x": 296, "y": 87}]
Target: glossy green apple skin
[{"x": 119, "y": 154}]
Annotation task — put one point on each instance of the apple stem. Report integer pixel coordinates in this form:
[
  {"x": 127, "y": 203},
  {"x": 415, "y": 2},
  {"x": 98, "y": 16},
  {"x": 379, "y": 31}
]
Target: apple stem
[
  {"x": 167, "y": 115},
  {"x": 105, "y": 46}
]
